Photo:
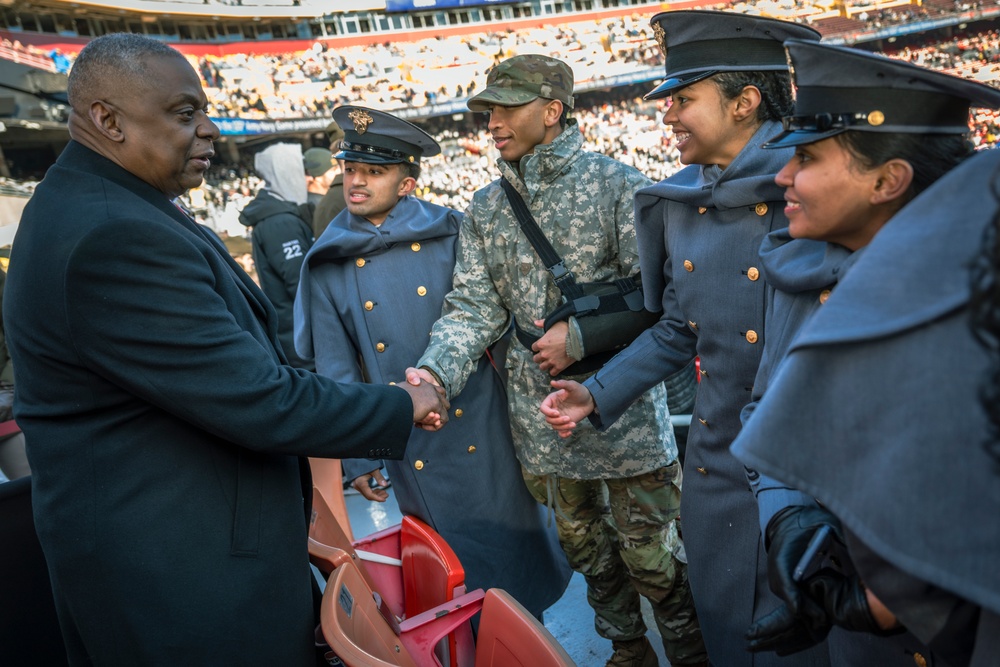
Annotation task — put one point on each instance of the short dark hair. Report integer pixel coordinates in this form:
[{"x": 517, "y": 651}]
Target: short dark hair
[
  {"x": 775, "y": 91},
  {"x": 111, "y": 63},
  {"x": 412, "y": 169},
  {"x": 930, "y": 155}
]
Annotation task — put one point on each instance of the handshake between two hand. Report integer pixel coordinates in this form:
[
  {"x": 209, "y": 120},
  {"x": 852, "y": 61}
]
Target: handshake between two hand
[{"x": 430, "y": 402}]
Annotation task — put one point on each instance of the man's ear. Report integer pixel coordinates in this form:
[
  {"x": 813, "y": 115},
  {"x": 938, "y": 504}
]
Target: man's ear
[
  {"x": 407, "y": 186},
  {"x": 746, "y": 103},
  {"x": 894, "y": 180},
  {"x": 553, "y": 112},
  {"x": 105, "y": 118}
]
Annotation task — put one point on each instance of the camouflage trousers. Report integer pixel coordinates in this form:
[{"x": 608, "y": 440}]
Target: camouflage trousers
[{"x": 621, "y": 535}]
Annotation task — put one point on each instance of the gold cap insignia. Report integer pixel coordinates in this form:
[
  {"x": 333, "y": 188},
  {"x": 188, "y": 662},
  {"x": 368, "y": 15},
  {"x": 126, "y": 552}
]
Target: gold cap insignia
[
  {"x": 361, "y": 119},
  {"x": 661, "y": 37},
  {"x": 876, "y": 118}
]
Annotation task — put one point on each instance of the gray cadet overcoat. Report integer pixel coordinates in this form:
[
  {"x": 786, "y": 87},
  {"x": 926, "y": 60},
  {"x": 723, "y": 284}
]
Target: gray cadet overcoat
[
  {"x": 582, "y": 201},
  {"x": 801, "y": 274},
  {"x": 371, "y": 294},
  {"x": 699, "y": 232},
  {"x": 875, "y": 410}
]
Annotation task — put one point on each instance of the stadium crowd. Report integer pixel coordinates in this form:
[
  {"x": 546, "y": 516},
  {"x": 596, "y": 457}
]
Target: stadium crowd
[{"x": 399, "y": 75}]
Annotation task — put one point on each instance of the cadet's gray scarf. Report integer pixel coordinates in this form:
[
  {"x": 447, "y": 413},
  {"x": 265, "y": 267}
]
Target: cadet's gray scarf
[{"x": 748, "y": 180}]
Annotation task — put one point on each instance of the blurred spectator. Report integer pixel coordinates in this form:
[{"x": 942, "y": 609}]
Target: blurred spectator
[
  {"x": 333, "y": 201},
  {"x": 281, "y": 233},
  {"x": 13, "y": 461}
]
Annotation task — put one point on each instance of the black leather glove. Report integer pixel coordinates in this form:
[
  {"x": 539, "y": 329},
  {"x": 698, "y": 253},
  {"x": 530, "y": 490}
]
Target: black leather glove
[
  {"x": 844, "y": 601},
  {"x": 785, "y": 633},
  {"x": 787, "y": 535},
  {"x": 801, "y": 622}
]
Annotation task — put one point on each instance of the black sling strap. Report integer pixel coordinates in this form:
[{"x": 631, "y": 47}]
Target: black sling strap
[{"x": 565, "y": 280}]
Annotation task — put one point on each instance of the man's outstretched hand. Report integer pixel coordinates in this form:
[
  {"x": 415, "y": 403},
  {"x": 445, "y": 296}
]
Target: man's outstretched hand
[{"x": 430, "y": 402}]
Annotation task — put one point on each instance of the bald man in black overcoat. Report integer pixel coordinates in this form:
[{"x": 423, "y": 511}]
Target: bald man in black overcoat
[{"x": 164, "y": 429}]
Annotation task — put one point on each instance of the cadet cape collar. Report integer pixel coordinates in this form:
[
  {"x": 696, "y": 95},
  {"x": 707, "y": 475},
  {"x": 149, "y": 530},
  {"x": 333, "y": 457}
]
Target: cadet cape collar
[
  {"x": 410, "y": 220},
  {"x": 799, "y": 265}
]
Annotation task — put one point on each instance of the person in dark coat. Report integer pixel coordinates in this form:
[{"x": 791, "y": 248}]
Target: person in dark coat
[
  {"x": 870, "y": 134},
  {"x": 371, "y": 289},
  {"x": 164, "y": 429},
  {"x": 279, "y": 218},
  {"x": 333, "y": 201}
]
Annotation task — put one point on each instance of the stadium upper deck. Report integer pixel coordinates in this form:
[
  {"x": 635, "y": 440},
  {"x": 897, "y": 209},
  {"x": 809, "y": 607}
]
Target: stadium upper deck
[{"x": 277, "y": 67}]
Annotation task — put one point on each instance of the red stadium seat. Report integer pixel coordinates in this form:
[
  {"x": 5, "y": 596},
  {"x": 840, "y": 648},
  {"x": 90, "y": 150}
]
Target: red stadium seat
[
  {"x": 410, "y": 566},
  {"x": 432, "y": 574},
  {"x": 363, "y": 633},
  {"x": 328, "y": 481},
  {"x": 509, "y": 636}
]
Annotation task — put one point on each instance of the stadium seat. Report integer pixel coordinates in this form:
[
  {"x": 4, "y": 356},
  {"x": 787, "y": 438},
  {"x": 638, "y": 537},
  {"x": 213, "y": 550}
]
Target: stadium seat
[
  {"x": 328, "y": 481},
  {"x": 432, "y": 574},
  {"x": 361, "y": 632},
  {"x": 29, "y": 629},
  {"x": 410, "y": 566},
  {"x": 509, "y": 636}
]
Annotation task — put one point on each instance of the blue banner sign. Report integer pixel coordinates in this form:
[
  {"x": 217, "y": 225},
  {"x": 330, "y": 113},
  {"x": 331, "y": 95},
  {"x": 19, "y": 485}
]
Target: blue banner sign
[{"x": 425, "y": 5}]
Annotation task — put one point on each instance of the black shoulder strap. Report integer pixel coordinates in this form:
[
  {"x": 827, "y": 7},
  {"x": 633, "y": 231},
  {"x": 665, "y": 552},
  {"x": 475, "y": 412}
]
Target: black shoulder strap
[{"x": 565, "y": 280}]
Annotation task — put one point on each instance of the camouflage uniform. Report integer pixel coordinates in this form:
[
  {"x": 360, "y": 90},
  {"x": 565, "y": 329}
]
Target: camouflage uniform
[{"x": 582, "y": 201}]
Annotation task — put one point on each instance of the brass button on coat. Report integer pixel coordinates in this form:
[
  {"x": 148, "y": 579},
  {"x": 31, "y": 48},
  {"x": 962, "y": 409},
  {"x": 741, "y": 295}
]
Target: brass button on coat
[
  {"x": 369, "y": 305},
  {"x": 753, "y": 273},
  {"x": 703, "y": 372},
  {"x": 415, "y": 247},
  {"x": 422, "y": 291},
  {"x": 824, "y": 295},
  {"x": 702, "y": 471},
  {"x": 419, "y": 465},
  {"x": 920, "y": 660},
  {"x": 380, "y": 347},
  {"x": 751, "y": 336},
  {"x": 360, "y": 261},
  {"x": 459, "y": 412},
  {"x": 693, "y": 325},
  {"x": 704, "y": 422},
  {"x": 702, "y": 209},
  {"x": 760, "y": 209},
  {"x": 472, "y": 449},
  {"x": 688, "y": 265}
]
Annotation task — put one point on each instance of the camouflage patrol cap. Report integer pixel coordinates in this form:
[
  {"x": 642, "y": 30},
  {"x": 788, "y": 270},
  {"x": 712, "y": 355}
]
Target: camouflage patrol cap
[{"x": 521, "y": 79}]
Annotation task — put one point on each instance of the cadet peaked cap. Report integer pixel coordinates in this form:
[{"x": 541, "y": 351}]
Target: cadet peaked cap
[
  {"x": 317, "y": 161},
  {"x": 521, "y": 79},
  {"x": 376, "y": 137},
  {"x": 839, "y": 89},
  {"x": 699, "y": 43},
  {"x": 334, "y": 133}
]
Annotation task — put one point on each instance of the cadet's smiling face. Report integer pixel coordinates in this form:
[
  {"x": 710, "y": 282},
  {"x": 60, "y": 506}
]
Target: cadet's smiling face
[
  {"x": 829, "y": 195},
  {"x": 705, "y": 124},
  {"x": 167, "y": 135},
  {"x": 373, "y": 190}
]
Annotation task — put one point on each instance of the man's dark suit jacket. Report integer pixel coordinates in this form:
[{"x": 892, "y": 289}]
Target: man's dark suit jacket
[{"x": 164, "y": 431}]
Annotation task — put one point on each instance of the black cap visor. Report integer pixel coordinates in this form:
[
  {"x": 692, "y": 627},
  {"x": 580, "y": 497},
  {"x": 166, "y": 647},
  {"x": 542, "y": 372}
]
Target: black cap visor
[
  {"x": 352, "y": 151},
  {"x": 888, "y": 110},
  {"x": 667, "y": 88}
]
